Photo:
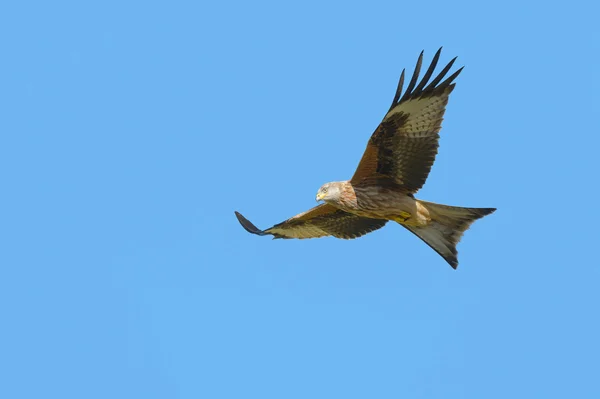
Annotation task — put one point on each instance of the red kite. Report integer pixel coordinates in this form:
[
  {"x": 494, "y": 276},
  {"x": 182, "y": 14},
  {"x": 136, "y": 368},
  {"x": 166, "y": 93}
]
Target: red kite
[{"x": 395, "y": 165}]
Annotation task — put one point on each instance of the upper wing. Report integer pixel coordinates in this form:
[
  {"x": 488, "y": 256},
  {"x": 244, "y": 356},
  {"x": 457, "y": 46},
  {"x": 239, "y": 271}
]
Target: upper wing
[
  {"x": 320, "y": 221},
  {"x": 404, "y": 145}
]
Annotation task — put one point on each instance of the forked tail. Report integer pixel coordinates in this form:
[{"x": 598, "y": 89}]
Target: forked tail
[{"x": 448, "y": 224}]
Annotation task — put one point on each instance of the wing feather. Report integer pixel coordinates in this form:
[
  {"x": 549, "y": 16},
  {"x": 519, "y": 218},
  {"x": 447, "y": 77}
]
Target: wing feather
[
  {"x": 429, "y": 71},
  {"x": 398, "y": 90},
  {"x": 320, "y": 221},
  {"x": 404, "y": 146},
  {"x": 440, "y": 76},
  {"x": 413, "y": 80}
]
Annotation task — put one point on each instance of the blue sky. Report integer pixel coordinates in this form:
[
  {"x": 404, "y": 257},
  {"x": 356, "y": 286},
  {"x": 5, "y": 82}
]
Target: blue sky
[{"x": 131, "y": 131}]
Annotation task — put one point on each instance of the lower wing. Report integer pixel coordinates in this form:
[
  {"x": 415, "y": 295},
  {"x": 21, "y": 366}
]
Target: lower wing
[{"x": 320, "y": 221}]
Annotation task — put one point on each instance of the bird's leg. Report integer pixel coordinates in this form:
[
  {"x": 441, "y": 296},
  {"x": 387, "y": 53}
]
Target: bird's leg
[{"x": 402, "y": 217}]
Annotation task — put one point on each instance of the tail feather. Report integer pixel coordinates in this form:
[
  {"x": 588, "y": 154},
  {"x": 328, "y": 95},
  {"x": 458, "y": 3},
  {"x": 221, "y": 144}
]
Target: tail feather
[{"x": 447, "y": 226}]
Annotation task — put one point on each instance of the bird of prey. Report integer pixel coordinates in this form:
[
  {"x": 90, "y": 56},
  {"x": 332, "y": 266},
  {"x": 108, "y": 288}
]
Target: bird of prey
[{"x": 395, "y": 165}]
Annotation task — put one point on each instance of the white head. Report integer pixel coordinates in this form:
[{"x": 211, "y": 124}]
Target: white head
[{"x": 330, "y": 192}]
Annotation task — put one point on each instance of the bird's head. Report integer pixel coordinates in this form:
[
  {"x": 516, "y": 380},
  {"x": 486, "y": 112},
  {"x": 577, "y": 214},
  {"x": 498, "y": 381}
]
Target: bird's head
[{"x": 330, "y": 192}]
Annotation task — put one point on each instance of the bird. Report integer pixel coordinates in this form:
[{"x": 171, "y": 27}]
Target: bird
[{"x": 394, "y": 166}]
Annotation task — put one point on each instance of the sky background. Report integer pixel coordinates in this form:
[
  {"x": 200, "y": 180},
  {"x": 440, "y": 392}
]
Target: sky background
[{"x": 131, "y": 131}]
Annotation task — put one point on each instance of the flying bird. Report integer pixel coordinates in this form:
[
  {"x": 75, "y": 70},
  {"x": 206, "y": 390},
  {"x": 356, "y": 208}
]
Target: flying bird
[{"x": 395, "y": 165}]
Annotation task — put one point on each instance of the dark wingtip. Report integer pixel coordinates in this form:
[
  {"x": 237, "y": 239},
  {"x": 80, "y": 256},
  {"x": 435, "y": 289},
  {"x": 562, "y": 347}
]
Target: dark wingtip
[
  {"x": 448, "y": 81},
  {"x": 440, "y": 76},
  {"x": 486, "y": 211},
  {"x": 398, "y": 90},
  {"x": 453, "y": 262},
  {"x": 429, "y": 72},
  {"x": 246, "y": 224},
  {"x": 413, "y": 80}
]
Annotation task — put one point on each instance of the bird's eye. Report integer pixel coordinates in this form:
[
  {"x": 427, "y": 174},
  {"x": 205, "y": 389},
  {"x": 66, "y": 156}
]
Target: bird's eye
[{"x": 324, "y": 189}]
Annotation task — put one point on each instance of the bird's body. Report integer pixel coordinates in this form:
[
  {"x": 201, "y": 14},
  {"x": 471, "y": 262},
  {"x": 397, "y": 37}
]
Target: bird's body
[
  {"x": 394, "y": 166},
  {"x": 378, "y": 200}
]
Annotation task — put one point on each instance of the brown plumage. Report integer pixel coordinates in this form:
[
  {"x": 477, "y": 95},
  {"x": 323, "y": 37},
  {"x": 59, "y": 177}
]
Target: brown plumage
[{"x": 394, "y": 166}]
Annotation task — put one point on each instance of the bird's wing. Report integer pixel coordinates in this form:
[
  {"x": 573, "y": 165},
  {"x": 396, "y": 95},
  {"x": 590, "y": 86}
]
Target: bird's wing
[
  {"x": 320, "y": 221},
  {"x": 403, "y": 147}
]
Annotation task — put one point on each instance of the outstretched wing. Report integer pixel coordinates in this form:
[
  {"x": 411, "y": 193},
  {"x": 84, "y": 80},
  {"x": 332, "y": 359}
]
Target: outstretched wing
[
  {"x": 320, "y": 221},
  {"x": 404, "y": 145}
]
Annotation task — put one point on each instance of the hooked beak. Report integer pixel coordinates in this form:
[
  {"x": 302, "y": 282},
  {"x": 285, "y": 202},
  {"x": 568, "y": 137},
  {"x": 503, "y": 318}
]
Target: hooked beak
[{"x": 319, "y": 196}]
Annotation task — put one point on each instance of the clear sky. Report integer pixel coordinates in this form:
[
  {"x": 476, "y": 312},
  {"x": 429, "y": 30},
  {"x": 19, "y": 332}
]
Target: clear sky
[{"x": 131, "y": 131}]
